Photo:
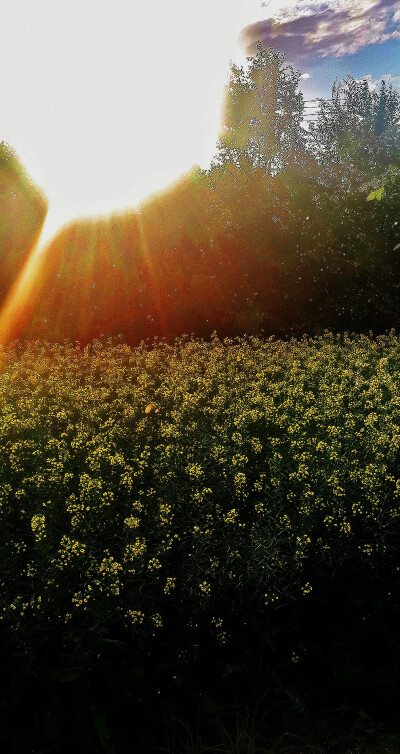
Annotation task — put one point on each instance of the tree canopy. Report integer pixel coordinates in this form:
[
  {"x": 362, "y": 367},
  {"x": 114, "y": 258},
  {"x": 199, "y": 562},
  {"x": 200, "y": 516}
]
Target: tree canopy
[
  {"x": 261, "y": 126},
  {"x": 276, "y": 237},
  {"x": 358, "y": 126},
  {"x": 23, "y": 209}
]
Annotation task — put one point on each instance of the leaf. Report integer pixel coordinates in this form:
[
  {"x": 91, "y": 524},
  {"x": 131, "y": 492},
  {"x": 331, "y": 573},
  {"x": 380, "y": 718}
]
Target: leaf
[
  {"x": 114, "y": 642},
  {"x": 376, "y": 194},
  {"x": 100, "y": 723}
]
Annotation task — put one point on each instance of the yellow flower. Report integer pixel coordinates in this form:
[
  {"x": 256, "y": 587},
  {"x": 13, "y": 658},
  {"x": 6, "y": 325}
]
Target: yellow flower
[
  {"x": 170, "y": 584},
  {"x": 205, "y": 587},
  {"x": 154, "y": 564},
  {"x": 231, "y": 516}
]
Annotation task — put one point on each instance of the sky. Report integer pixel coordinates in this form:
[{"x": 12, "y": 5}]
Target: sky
[{"x": 109, "y": 101}]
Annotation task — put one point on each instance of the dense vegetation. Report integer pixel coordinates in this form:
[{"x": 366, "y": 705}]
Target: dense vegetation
[
  {"x": 23, "y": 209},
  {"x": 192, "y": 522},
  {"x": 186, "y": 525},
  {"x": 276, "y": 237}
]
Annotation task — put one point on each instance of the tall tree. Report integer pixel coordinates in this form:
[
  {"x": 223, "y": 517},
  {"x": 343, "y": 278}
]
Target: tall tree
[
  {"x": 261, "y": 127},
  {"x": 358, "y": 127}
]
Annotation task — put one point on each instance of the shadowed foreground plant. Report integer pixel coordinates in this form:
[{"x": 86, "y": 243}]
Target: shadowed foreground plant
[
  {"x": 185, "y": 743},
  {"x": 301, "y": 747},
  {"x": 243, "y": 740}
]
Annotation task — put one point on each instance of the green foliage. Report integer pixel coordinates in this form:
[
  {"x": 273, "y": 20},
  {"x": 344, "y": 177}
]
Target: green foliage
[
  {"x": 275, "y": 238},
  {"x": 317, "y": 256},
  {"x": 23, "y": 209},
  {"x": 358, "y": 126},
  {"x": 8, "y": 158},
  {"x": 391, "y": 175},
  {"x": 377, "y": 194},
  {"x": 262, "y": 115}
]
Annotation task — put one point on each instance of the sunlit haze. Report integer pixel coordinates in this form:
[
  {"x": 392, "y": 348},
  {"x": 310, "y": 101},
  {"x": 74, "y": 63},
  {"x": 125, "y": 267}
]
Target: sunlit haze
[{"x": 107, "y": 102}]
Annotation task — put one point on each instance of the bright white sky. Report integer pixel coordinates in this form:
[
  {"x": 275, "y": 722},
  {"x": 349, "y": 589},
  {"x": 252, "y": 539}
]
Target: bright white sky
[{"x": 108, "y": 101}]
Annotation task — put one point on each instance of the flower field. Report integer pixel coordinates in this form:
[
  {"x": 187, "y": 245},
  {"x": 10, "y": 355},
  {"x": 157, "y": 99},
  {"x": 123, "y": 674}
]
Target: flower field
[{"x": 174, "y": 517}]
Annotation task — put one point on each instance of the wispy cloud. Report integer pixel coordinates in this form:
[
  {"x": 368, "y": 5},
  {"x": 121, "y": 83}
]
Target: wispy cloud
[
  {"x": 393, "y": 80},
  {"x": 313, "y": 28},
  {"x": 374, "y": 84}
]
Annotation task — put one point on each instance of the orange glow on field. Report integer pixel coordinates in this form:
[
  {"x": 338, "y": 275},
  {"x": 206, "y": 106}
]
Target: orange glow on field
[
  {"x": 20, "y": 300},
  {"x": 170, "y": 267},
  {"x": 97, "y": 275}
]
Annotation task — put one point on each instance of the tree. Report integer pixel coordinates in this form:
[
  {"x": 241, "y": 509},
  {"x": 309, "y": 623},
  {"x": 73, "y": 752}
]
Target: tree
[
  {"x": 261, "y": 126},
  {"x": 358, "y": 127},
  {"x": 23, "y": 209}
]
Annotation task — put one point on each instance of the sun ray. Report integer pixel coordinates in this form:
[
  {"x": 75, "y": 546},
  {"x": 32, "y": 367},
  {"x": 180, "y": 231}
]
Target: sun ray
[
  {"x": 19, "y": 302},
  {"x": 142, "y": 273}
]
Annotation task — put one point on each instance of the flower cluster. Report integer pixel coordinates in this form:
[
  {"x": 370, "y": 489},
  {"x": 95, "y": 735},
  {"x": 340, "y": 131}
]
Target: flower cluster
[{"x": 259, "y": 461}]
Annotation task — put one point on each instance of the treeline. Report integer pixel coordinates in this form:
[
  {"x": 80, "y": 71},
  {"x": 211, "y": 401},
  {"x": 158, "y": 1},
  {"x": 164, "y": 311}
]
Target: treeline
[
  {"x": 23, "y": 208},
  {"x": 276, "y": 237}
]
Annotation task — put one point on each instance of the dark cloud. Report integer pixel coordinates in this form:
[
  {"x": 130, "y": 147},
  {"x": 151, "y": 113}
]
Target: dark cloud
[{"x": 315, "y": 29}]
